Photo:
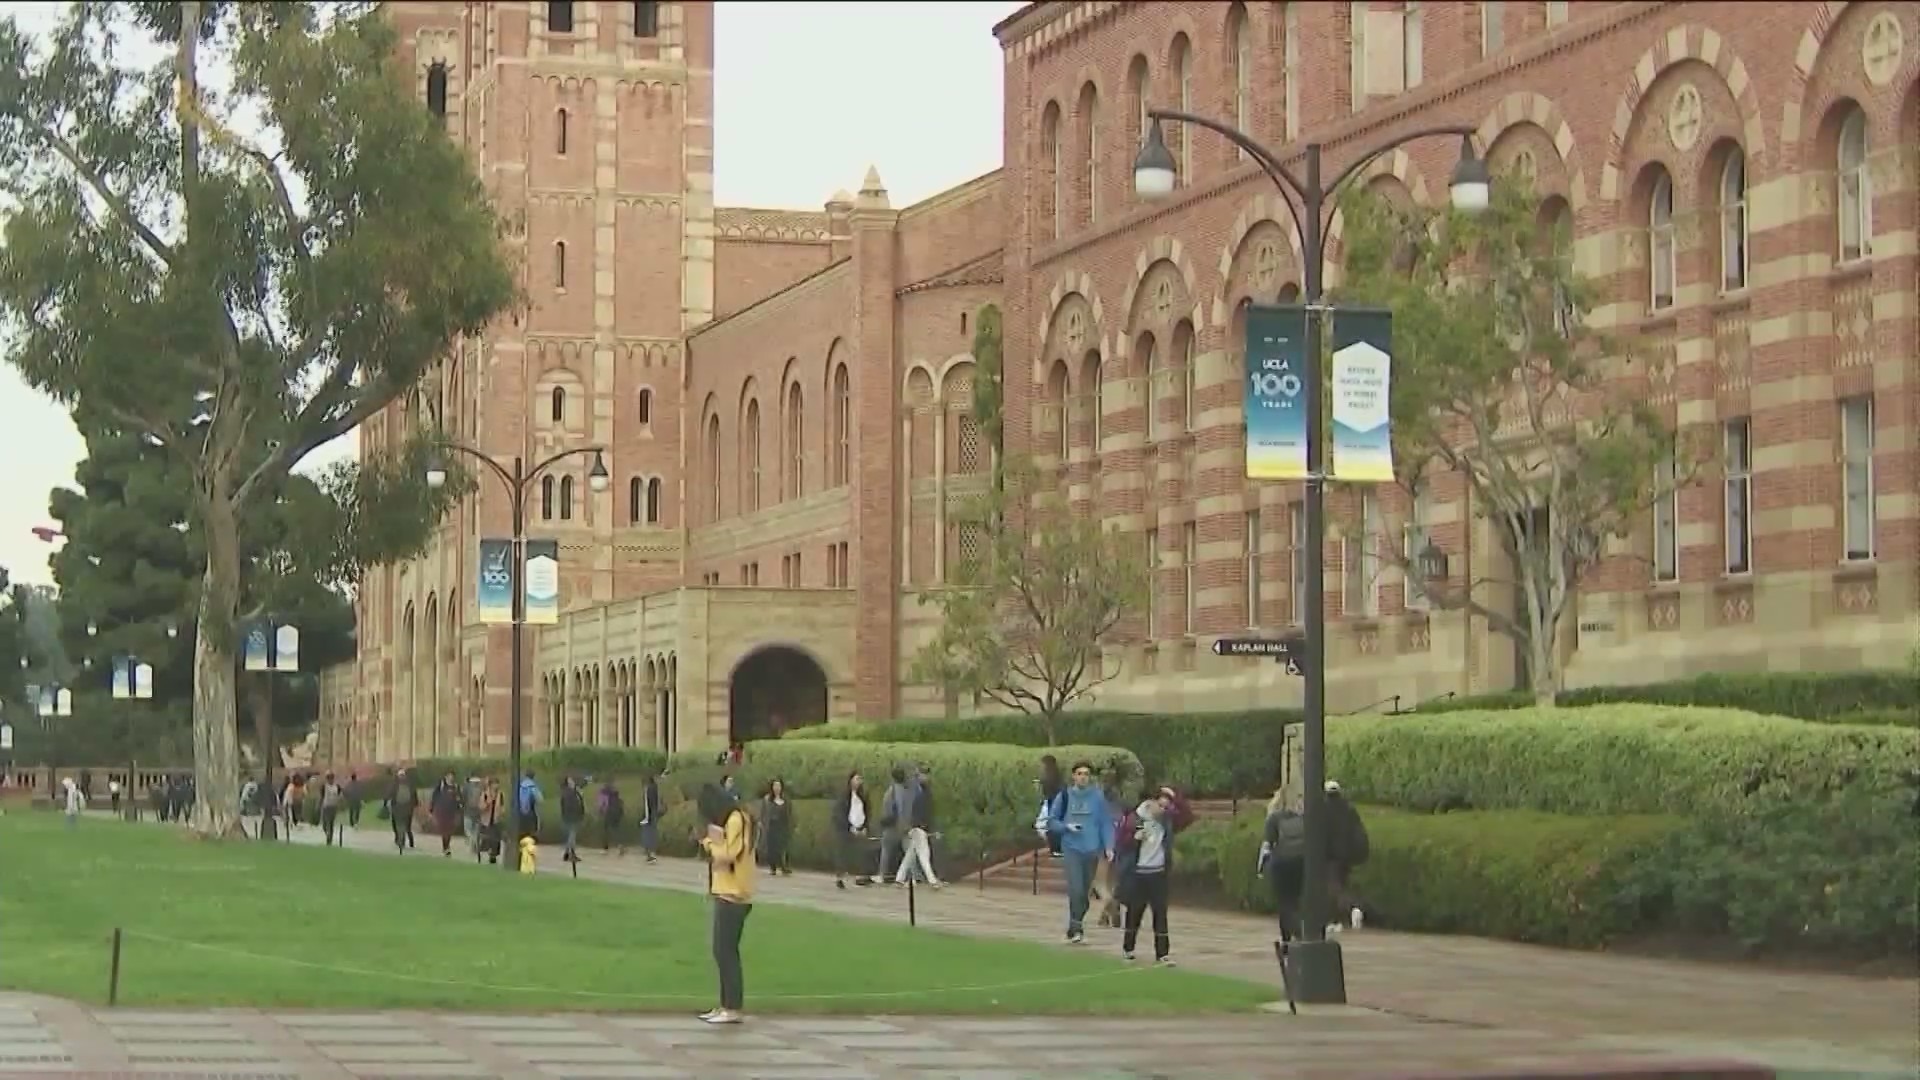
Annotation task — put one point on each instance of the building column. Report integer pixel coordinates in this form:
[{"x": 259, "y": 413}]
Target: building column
[{"x": 876, "y": 542}]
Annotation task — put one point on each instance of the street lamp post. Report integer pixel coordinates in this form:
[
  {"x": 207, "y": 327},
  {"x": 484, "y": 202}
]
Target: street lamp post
[
  {"x": 1315, "y": 971},
  {"x": 519, "y": 480},
  {"x": 137, "y": 689}
]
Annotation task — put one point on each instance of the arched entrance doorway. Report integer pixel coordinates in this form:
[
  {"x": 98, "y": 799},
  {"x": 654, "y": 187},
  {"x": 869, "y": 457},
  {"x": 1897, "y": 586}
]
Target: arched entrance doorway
[{"x": 775, "y": 689}]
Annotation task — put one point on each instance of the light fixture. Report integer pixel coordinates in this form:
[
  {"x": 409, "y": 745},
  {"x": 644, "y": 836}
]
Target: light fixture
[
  {"x": 1472, "y": 185},
  {"x": 172, "y": 631},
  {"x": 1433, "y": 562},
  {"x": 93, "y": 629},
  {"x": 436, "y": 472},
  {"x": 597, "y": 478},
  {"x": 1153, "y": 169}
]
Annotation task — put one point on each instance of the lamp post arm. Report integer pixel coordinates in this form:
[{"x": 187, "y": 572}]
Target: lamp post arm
[
  {"x": 1268, "y": 161},
  {"x": 545, "y": 464},
  {"x": 468, "y": 451},
  {"x": 1394, "y": 144}
]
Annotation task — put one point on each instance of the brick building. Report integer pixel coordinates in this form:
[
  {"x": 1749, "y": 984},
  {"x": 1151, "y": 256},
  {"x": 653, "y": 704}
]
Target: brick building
[{"x": 785, "y": 410}]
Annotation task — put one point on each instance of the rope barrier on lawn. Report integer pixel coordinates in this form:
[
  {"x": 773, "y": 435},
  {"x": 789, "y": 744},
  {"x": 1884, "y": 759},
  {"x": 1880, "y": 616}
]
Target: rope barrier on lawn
[{"x": 605, "y": 995}]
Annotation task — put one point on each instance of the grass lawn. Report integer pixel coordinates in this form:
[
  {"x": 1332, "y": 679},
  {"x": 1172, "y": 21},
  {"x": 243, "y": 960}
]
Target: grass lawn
[{"x": 298, "y": 926}]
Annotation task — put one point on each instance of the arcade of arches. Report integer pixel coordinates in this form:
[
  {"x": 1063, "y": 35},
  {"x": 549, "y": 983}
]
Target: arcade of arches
[{"x": 775, "y": 690}]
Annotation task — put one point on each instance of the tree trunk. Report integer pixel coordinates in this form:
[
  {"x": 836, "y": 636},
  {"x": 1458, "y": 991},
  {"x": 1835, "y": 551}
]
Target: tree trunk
[
  {"x": 216, "y": 753},
  {"x": 1046, "y": 728},
  {"x": 260, "y": 704}
]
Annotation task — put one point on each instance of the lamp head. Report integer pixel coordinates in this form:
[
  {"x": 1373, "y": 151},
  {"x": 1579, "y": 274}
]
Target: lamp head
[
  {"x": 1433, "y": 562},
  {"x": 597, "y": 477},
  {"x": 1472, "y": 186},
  {"x": 436, "y": 471},
  {"x": 1154, "y": 171},
  {"x": 93, "y": 629}
]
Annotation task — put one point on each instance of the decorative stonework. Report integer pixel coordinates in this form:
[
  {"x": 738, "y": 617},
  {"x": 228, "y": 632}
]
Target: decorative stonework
[
  {"x": 1266, "y": 265},
  {"x": 1367, "y": 639},
  {"x": 1685, "y": 117},
  {"x": 1074, "y": 334},
  {"x": 1736, "y": 606},
  {"x": 1526, "y": 168},
  {"x": 1419, "y": 636},
  {"x": 1856, "y": 597},
  {"x": 1882, "y": 48},
  {"x": 1662, "y": 367},
  {"x": 1853, "y": 323},
  {"x": 1732, "y": 351},
  {"x": 1663, "y": 612}
]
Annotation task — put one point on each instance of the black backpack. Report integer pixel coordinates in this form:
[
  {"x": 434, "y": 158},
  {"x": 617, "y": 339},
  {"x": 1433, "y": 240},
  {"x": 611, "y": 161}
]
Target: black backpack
[{"x": 1286, "y": 836}]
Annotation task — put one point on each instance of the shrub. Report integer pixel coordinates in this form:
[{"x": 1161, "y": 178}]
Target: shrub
[
  {"x": 1518, "y": 875},
  {"x": 966, "y": 842},
  {"x": 1204, "y": 754},
  {"x": 1615, "y": 759},
  {"x": 1853, "y": 697},
  {"x": 1778, "y": 872},
  {"x": 984, "y": 776}
]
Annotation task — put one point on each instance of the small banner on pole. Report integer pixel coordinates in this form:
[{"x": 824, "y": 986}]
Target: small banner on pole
[
  {"x": 63, "y": 702},
  {"x": 257, "y": 645},
  {"x": 143, "y": 681},
  {"x": 286, "y": 648},
  {"x": 542, "y": 575},
  {"x": 494, "y": 591},
  {"x": 1276, "y": 405},
  {"x": 1362, "y": 378},
  {"x": 122, "y": 679},
  {"x": 6, "y": 736}
]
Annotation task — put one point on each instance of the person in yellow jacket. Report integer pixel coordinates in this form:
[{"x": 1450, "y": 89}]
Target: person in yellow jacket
[
  {"x": 728, "y": 844},
  {"x": 529, "y": 854}
]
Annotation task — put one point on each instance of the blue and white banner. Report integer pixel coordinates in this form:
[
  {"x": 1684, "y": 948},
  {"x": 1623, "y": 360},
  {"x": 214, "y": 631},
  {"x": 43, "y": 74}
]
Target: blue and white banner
[
  {"x": 143, "y": 681},
  {"x": 542, "y": 575},
  {"x": 63, "y": 702},
  {"x": 286, "y": 648},
  {"x": 122, "y": 679},
  {"x": 256, "y": 644},
  {"x": 1362, "y": 392},
  {"x": 1276, "y": 402},
  {"x": 494, "y": 591}
]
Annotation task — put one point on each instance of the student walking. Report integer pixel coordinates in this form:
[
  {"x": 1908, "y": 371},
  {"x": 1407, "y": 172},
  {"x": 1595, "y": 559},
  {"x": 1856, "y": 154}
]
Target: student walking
[
  {"x": 492, "y": 807},
  {"x": 113, "y": 793},
  {"x": 529, "y": 800},
  {"x": 650, "y": 811},
  {"x": 355, "y": 796},
  {"x": 776, "y": 828},
  {"x": 1347, "y": 848},
  {"x": 573, "y": 811},
  {"x": 728, "y": 844},
  {"x": 1050, "y": 783},
  {"x": 1143, "y": 867},
  {"x": 331, "y": 796},
  {"x": 1085, "y": 826},
  {"x": 613, "y": 812},
  {"x": 73, "y": 800},
  {"x": 402, "y": 801},
  {"x": 1283, "y": 861},
  {"x": 850, "y": 830},
  {"x": 896, "y": 808},
  {"x": 918, "y": 856},
  {"x": 444, "y": 807}
]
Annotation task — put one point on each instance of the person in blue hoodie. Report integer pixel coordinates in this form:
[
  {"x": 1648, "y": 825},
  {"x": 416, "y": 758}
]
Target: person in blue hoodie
[
  {"x": 1084, "y": 823},
  {"x": 529, "y": 797}
]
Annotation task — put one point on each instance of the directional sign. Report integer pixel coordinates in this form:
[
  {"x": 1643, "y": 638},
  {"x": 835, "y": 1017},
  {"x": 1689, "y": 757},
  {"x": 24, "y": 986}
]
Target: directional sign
[{"x": 1291, "y": 650}]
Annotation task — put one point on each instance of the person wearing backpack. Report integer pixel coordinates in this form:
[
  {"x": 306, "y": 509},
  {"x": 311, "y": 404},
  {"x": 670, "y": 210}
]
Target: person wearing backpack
[
  {"x": 573, "y": 811},
  {"x": 1085, "y": 825},
  {"x": 1347, "y": 848},
  {"x": 331, "y": 796},
  {"x": 1283, "y": 860},
  {"x": 1143, "y": 866}
]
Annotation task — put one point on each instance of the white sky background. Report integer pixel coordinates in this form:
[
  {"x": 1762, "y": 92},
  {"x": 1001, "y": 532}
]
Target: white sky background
[{"x": 808, "y": 95}]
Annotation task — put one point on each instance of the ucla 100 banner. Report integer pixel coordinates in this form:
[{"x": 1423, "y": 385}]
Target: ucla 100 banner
[
  {"x": 494, "y": 591},
  {"x": 539, "y": 576},
  {"x": 1276, "y": 404},
  {"x": 1362, "y": 382}
]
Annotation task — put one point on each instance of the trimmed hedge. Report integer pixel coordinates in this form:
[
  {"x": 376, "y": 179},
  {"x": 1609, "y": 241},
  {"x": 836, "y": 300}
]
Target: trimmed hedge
[
  {"x": 1615, "y": 759},
  {"x": 1518, "y": 875},
  {"x": 984, "y": 775},
  {"x": 1847, "y": 697},
  {"x": 1776, "y": 877},
  {"x": 1204, "y": 754}
]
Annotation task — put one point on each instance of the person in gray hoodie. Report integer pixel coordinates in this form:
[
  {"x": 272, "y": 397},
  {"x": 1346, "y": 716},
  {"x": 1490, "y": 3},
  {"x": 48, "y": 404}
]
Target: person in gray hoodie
[
  {"x": 1085, "y": 824},
  {"x": 896, "y": 816}
]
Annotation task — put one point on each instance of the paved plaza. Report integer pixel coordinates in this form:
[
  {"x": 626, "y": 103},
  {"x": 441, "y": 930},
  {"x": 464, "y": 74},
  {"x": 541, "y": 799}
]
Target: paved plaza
[{"x": 1421, "y": 1004}]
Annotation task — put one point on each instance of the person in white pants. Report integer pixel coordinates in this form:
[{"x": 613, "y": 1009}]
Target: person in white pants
[{"x": 919, "y": 848}]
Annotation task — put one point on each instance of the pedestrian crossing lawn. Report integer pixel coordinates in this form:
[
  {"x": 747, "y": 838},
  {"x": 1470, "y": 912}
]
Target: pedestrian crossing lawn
[{"x": 297, "y": 926}]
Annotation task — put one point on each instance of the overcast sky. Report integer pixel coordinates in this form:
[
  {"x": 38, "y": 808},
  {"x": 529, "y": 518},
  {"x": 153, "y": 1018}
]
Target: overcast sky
[{"x": 809, "y": 95}]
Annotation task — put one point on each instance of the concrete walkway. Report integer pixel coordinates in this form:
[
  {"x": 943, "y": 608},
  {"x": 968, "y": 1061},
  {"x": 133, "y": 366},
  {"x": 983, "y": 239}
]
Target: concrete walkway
[{"x": 1789, "y": 1019}]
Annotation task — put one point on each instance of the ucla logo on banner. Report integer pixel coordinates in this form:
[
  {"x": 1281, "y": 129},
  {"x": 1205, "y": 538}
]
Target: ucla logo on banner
[
  {"x": 496, "y": 573},
  {"x": 1275, "y": 379}
]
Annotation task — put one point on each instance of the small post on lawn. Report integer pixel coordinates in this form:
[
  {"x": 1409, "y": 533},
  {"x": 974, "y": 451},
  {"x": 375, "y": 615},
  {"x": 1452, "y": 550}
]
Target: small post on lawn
[
  {"x": 113, "y": 971},
  {"x": 913, "y": 912},
  {"x": 1036, "y": 873},
  {"x": 981, "y": 874}
]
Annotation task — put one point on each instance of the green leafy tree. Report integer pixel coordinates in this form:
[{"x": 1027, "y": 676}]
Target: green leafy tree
[
  {"x": 1498, "y": 378},
  {"x": 219, "y": 291},
  {"x": 13, "y": 633},
  {"x": 989, "y": 388},
  {"x": 1025, "y": 623}
]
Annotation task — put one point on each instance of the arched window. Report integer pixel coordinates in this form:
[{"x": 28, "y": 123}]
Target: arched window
[
  {"x": 1182, "y": 354},
  {"x": 1557, "y": 216},
  {"x": 1057, "y": 396},
  {"x": 1095, "y": 395},
  {"x": 1140, "y": 88},
  {"x": 1240, "y": 63},
  {"x": 1733, "y": 222},
  {"x": 1662, "y": 257},
  {"x": 646, "y": 18},
  {"x": 635, "y": 493},
  {"x": 1290, "y": 67},
  {"x": 794, "y": 481},
  {"x": 560, "y": 132},
  {"x": 559, "y": 264},
  {"x": 557, "y": 405},
  {"x": 750, "y": 449},
  {"x": 566, "y": 498},
  {"x": 653, "y": 501},
  {"x": 842, "y": 428},
  {"x": 645, "y": 408},
  {"x": 1056, "y": 177},
  {"x": 713, "y": 468},
  {"x": 1183, "y": 82},
  {"x": 546, "y": 498},
  {"x": 437, "y": 90},
  {"x": 1089, "y": 111},
  {"x": 1856, "y": 188},
  {"x": 560, "y": 16}
]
